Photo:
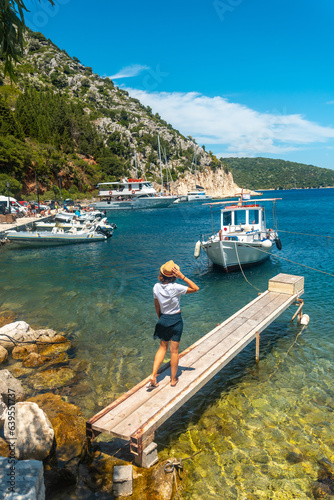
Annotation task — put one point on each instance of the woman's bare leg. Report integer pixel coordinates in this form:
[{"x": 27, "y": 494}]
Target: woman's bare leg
[
  {"x": 174, "y": 361},
  {"x": 159, "y": 357}
]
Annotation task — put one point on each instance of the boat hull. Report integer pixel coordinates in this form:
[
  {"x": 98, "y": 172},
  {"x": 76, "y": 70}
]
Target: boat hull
[
  {"x": 230, "y": 255},
  {"x": 26, "y": 238},
  {"x": 136, "y": 203}
]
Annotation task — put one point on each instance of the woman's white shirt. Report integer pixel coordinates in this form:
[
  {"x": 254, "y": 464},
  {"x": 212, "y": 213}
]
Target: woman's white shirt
[{"x": 168, "y": 296}]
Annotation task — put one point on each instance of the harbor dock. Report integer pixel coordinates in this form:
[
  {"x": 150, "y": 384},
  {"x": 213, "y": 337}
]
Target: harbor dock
[
  {"x": 22, "y": 224},
  {"x": 137, "y": 414}
]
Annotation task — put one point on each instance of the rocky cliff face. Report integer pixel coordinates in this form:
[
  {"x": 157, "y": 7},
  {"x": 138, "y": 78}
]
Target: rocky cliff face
[{"x": 217, "y": 184}]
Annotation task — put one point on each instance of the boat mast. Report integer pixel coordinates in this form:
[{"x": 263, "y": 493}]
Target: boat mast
[
  {"x": 136, "y": 165},
  {"x": 162, "y": 184}
]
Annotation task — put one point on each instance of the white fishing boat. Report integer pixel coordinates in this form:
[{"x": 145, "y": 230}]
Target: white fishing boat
[
  {"x": 87, "y": 234},
  {"x": 243, "y": 239}
]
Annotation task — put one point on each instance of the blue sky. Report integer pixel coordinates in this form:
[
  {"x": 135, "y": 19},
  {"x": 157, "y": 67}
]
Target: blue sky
[{"x": 243, "y": 77}]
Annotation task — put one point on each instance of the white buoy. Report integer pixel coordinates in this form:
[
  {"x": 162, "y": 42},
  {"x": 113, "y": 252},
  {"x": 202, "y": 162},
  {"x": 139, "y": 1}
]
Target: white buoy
[
  {"x": 267, "y": 244},
  {"x": 197, "y": 249},
  {"x": 305, "y": 319}
]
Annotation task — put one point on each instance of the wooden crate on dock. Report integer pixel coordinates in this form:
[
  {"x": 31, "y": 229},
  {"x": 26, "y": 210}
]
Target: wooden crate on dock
[{"x": 286, "y": 283}]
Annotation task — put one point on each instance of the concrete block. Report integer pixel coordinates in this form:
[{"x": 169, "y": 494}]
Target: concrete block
[
  {"x": 122, "y": 481},
  {"x": 149, "y": 456},
  {"x": 21, "y": 480}
]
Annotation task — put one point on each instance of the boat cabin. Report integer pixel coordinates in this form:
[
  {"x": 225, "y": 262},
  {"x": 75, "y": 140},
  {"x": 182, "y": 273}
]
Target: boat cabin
[
  {"x": 236, "y": 218},
  {"x": 126, "y": 187}
]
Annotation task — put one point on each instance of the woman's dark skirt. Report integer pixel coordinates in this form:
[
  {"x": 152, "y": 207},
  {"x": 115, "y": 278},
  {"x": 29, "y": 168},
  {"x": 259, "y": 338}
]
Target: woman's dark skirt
[{"x": 169, "y": 327}]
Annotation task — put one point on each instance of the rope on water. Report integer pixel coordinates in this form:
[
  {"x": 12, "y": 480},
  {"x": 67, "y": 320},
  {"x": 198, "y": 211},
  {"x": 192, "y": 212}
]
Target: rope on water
[
  {"x": 236, "y": 250},
  {"x": 307, "y": 234},
  {"x": 287, "y": 353}
]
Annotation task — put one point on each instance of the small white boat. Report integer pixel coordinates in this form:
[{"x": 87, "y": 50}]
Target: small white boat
[
  {"x": 243, "y": 239},
  {"x": 58, "y": 236},
  {"x": 198, "y": 195},
  {"x": 75, "y": 222},
  {"x": 83, "y": 216}
]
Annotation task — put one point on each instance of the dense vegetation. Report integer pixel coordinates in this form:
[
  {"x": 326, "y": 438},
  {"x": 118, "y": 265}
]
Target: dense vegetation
[{"x": 266, "y": 173}]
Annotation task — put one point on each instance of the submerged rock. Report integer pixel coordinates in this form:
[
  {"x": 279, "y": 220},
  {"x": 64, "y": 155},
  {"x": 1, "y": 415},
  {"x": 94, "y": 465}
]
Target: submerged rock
[
  {"x": 3, "y": 354},
  {"x": 10, "y": 387},
  {"x": 6, "y": 317},
  {"x": 4, "y": 448},
  {"x": 52, "y": 378},
  {"x": 21, "y": 352},
  {"x": 68, "y": 423},
  {"x": 32, "y": 432},
  {"x": 35, "y": 360}
]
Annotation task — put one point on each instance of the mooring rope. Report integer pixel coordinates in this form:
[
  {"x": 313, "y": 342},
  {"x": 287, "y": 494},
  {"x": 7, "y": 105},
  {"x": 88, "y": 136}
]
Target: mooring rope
[
  {"x": 236, "y": 250},
  {"x": 306, "y": 234}
]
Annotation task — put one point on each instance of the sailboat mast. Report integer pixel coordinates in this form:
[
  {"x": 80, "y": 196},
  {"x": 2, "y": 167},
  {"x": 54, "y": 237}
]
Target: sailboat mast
[
  {"x": 136, "y": 164},
  {"x": 162, "y": 184}
]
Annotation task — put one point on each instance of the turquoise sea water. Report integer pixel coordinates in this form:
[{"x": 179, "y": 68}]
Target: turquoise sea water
[{"x": 261, "y": 431}]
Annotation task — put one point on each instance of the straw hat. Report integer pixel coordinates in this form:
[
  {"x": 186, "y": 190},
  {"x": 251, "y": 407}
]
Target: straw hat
[{"x": 166, "y": 269}]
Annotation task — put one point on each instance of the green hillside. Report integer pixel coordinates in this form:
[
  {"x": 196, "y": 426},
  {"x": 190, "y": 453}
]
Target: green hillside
[
  {"x": 266, "y": 173},
  {"x": 70, "y": 127}
]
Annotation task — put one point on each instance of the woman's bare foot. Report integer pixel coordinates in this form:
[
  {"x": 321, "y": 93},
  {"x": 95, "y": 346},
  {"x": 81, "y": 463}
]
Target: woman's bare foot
[
  {"x": 174, "y": 382},
  {"x": 153, "y": 382}
]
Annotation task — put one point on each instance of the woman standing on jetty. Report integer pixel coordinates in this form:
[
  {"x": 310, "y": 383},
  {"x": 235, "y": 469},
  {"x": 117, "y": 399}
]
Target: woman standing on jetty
[{"x": 169, "y": 328}]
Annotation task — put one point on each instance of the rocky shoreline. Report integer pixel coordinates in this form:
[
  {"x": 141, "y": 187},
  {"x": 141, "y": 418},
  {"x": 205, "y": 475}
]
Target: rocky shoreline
[{"x": 38, "y": 423}]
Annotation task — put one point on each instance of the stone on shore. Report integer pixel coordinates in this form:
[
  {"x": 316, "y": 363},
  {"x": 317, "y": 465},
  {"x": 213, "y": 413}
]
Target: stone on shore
[
  {"x": 17, "y": 331},
  {"x": 20, "y": 331},
  {"x": 26, "y": 479},
  {"x": 10, "y": 388},
  {"x": 3, "y": 354},
  {"x": 33, "y": 432},
  {"x": 68, "y": 423}
]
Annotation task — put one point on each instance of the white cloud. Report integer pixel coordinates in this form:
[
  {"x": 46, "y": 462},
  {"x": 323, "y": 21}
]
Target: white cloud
[
  {"x": 238, "y": 129},
  {"x": 129, "y": 71}
]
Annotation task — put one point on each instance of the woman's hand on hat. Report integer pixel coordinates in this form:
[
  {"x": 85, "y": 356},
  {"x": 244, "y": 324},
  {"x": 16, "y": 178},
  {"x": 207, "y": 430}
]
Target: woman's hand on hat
[{"x": 176, "y": 272}]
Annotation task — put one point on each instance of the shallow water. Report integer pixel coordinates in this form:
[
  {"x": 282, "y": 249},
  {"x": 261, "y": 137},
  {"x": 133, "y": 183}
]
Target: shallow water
[{"x": 261, "y": 430}]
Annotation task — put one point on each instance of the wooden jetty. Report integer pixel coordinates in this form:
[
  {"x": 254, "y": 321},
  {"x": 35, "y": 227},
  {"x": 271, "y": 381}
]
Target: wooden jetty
[{"x": 138, "y": 413}]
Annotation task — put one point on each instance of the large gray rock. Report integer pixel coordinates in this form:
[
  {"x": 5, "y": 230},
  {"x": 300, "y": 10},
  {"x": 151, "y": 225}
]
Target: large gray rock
[
  {"x": 30, "y": 431},
  {"x": 21, "y": 480},
  {"x": 3, "y": 354},
  {"x": 3, "y": 409},
  {"x": 11, "y": 388},
  {"x": 21, "y": 332},
  {"x": 17, "y": 331}
]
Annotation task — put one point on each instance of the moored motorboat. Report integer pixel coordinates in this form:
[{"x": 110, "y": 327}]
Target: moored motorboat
[
  {"x": 243, "y": 239},
  {"x": 75, "y": 222},
  {"x": 130, "y": 194},
  {"x": 87, "y": 234}
]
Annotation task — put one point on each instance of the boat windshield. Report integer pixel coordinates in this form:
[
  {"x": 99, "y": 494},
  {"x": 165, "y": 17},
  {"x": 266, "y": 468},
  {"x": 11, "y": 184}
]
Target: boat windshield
[
  {"x": 227, "y": 218},
  {"x": 253, "y": 216},
  {"x": 239, "y": 217}
]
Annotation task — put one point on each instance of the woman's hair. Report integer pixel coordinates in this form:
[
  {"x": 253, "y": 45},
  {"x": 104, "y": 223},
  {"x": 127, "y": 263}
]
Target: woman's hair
[{"x": 166, "y": 279}]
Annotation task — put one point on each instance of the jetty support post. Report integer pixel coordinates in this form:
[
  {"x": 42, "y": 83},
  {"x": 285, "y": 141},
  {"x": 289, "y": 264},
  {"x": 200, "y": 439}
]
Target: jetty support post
[
  {"x": 299, "y": 311},
  {"x": 257, "y": 347},
  {"x": 144, "y": 450}
]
